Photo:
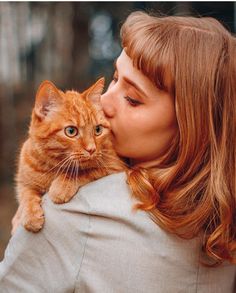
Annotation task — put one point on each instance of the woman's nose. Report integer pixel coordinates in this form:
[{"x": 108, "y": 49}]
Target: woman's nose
[{"x": 108, "y": 105}]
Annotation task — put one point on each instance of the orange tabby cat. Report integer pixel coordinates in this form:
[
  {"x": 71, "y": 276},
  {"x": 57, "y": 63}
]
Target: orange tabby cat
[{"x": 69, "y": 145}]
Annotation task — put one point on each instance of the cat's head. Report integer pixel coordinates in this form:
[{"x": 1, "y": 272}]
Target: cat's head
[{"x": 70, "y": 125}]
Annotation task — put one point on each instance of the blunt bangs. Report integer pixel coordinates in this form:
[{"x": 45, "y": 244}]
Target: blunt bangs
[{"x": 149, "y": 44}]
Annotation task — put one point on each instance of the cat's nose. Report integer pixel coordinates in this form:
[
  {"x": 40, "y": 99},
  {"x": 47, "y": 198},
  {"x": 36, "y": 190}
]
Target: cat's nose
[{"x": 90, "y": 148}]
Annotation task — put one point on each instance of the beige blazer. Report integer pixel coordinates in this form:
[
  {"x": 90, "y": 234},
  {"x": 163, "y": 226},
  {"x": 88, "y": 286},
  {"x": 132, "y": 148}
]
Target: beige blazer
[{"x": 95, "y": 243}]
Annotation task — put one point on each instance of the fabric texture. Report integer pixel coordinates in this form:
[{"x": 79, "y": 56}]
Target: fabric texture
[{"x": 96, "y": 243}]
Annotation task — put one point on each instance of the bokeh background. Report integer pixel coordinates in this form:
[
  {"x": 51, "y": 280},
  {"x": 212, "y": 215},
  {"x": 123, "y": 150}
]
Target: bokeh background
[{"x": 71, "y": 44}]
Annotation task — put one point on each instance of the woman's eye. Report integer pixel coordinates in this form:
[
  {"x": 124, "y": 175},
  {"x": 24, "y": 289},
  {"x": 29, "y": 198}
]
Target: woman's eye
[
  {"x": 98, "y": 129},
  {"x": 132, "y": 102},
  {"x": 114, "y": 78},
  {"x": 71, "y": 131}
]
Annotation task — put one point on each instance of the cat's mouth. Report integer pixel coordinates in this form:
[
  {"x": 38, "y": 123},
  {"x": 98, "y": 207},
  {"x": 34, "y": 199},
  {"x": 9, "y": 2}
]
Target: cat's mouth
[
  {"x": 81, "y": 161},
  {"x": 87, "y": 164},
  {"x": 81, "y": 164},
  {"x": 87, "y": 161},
  {"x": 85, "y": 158}
]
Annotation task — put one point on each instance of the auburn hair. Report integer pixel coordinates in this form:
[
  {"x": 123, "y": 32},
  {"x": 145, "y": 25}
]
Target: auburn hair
[{"x": 192, "y": 191}]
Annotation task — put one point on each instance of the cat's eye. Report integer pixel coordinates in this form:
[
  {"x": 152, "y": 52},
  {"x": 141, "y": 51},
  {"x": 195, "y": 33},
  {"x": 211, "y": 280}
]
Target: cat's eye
[
  {"x": 98, "y": 129},
  {"x": 71, "y": 131}
]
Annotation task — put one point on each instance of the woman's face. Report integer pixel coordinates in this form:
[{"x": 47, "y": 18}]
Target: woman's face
[{"x": 142, "y": 117}]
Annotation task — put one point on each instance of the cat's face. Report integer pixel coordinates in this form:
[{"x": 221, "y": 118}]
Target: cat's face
[{"x": 70, "y": 126}]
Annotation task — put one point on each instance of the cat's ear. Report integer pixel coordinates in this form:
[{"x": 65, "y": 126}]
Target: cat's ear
[
  {"x": 47, "y": 100},
  {"x": 93, "y": 94}
]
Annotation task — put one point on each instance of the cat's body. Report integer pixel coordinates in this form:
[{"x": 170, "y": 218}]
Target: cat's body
[{"x": 69, "y": 145}]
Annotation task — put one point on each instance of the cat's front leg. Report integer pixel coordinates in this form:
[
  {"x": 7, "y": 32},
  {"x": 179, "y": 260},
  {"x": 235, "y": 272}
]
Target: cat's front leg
[
  {"x": 31, "y": 212},
  {"x": 62, "y": 189}
]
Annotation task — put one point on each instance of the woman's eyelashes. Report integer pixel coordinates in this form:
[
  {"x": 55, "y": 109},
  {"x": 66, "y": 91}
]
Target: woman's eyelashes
[{"x": 131, "y": 101}]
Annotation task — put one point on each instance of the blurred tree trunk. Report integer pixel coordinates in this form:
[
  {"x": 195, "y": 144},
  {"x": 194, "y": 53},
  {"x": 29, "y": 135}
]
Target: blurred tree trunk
[
  {"x": 78, "y": 76},
  {"x": 9, "y": 75},
  {"x": 8, "y": 133}
]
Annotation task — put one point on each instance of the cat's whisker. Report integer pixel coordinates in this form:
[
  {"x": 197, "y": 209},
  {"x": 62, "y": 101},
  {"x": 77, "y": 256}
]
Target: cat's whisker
[
  {"x": 50, "y": 170},
  {"x": 71, "y": 178},
  {"x": 73, "y": 169},
  {"x": 41, "y": 177},
  {"x": 58, "y": 164},
  {"x": 76, "y": 174},
  {"x": 67, "y": 169},
  {"x": 62, "y": 165}
]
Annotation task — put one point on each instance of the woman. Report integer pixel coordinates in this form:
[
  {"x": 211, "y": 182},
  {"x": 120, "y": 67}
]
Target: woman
[{"x": 171, "y": 106}]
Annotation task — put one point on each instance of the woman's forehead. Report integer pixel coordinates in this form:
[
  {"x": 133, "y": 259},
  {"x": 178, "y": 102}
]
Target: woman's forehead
[
  {"x": 126, "y": 69},
  {"x": 124, "y": 63}
]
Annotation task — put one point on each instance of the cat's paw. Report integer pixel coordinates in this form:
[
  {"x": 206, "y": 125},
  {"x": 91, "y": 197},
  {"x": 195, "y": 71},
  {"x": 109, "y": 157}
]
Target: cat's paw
[
  {"x": 59, "y": 198},
  {"x": 56, "y": 198},
  {"x": 62, "y": 196},
  {"x": 33, "y": 220}
]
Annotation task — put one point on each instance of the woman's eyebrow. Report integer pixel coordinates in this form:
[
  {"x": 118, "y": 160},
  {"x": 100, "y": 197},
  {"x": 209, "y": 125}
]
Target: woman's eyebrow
[{"x": 130, "y": 82}]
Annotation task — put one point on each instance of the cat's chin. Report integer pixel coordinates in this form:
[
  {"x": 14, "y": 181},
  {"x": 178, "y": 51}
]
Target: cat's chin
[{"x": 87, "y": 164}]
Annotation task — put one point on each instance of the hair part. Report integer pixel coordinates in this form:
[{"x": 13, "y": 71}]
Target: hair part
[{"x": 192, "y": 191}]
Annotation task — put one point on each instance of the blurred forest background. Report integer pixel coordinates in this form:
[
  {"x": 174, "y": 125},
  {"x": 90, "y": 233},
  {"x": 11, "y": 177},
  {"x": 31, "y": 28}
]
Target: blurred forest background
[{"x": 71, "y": 44}]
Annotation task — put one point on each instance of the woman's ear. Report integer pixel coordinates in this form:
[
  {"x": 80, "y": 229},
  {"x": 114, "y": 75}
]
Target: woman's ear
[
  {"x": 48, "y": 100},
  {"x": 93, "y": 94}
]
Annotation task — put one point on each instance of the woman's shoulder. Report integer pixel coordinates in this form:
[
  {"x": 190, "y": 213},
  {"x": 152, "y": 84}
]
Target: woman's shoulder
[
  {"x": 109, "y": 192},
  {"x": 101, "y": 217},
  {"x": 108, "y": 197},
  {"x": 98, "y": 193},
  {"x": 106, "y": 185}
]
